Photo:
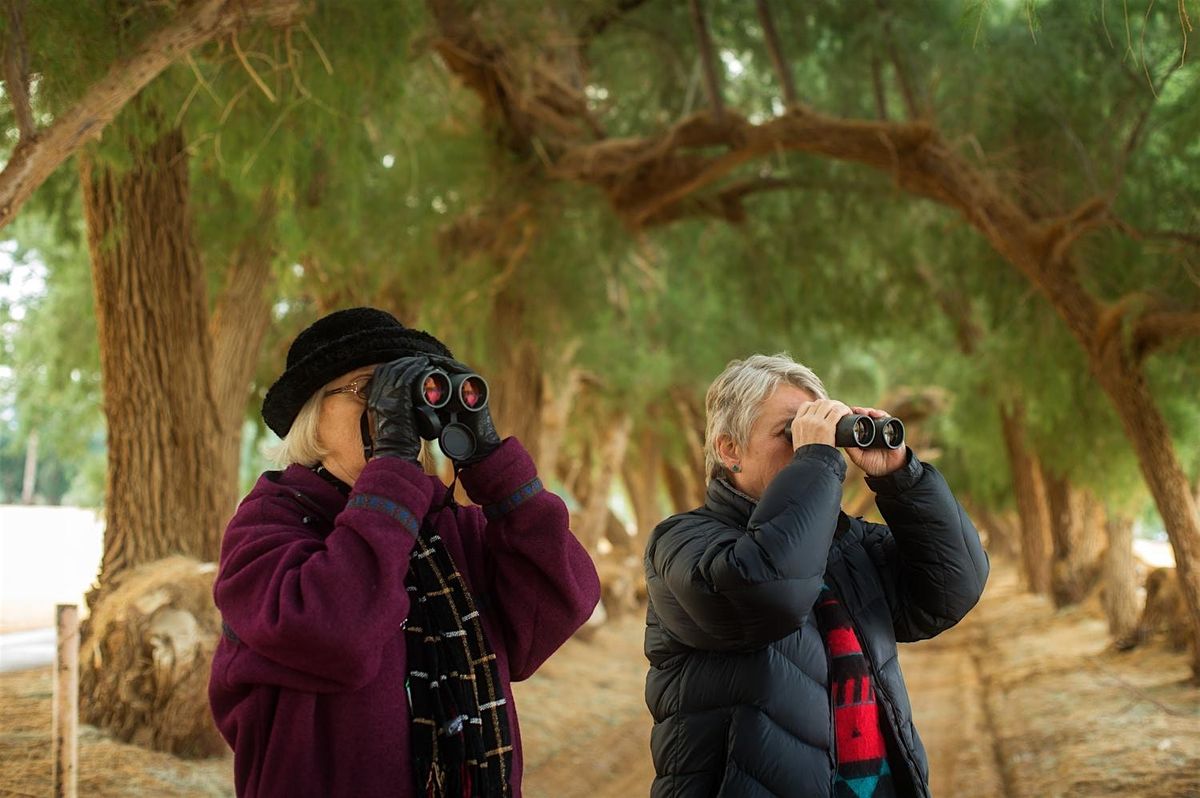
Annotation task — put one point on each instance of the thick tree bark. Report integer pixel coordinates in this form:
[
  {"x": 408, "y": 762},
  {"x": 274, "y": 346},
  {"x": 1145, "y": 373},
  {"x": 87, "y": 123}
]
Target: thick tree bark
[
  {"x": 1002, "y": 529},
  {"x": 517, "y": 397},
  {"x": 163, "y": 422},
  {"x": 37, "y": 156},
  {"x": 1076, "y": 534},
  {"x": 560, "y": 385},
  {"x": 237, "y": 329},
  {"x": 684, "y": 487},
  {"x": 593, "y": 518},
  {"x": 1119, "y": 578},
  {"x": 1032, "y": 506},
  {"x": 642, "y": 473},
  {"x": 1147, "y": 430}
]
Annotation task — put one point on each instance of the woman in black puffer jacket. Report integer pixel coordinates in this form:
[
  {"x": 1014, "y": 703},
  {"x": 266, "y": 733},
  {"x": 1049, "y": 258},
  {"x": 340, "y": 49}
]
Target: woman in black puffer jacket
[{"x": 774, "y": 616}]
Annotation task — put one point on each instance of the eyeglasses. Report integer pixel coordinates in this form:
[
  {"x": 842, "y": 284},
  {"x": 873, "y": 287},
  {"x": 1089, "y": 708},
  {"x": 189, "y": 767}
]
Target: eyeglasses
[{"x": 360, "y": 387}]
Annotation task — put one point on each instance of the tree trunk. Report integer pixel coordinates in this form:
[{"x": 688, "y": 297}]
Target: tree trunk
[
  {"x": 1119, "y": 593},
  {"x": 1003, "y": 537},
  {"x": 643, "y": 478},
  {"x": 162, "y": 493},
  {"x": 685, "y": 490},
  {"x": 238, "y": 326},
  {"x": 1076, "y": 534},
  {"x": 1031, "y": 501},
  {"x": 560, "y": 385},
  {"x": 594, "y": 515},
  {"x": 692, "y": 419},
  {"x": 29, "y": 483},
  {"x": 516, "y": 400},
  {"x": 1125, "y": 382}
]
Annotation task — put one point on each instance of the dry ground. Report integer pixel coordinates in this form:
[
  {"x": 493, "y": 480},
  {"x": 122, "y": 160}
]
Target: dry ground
[{"x": 1017, "y": 702}]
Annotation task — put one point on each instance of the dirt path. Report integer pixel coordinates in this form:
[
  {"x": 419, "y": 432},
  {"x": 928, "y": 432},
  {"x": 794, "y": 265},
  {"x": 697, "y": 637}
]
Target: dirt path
[
  {"x": 950, "y": 712},
  {"x": 584, "y": 723},
  {"x": 1018, "y": 701},
  {"x": 607, "y": 755}
]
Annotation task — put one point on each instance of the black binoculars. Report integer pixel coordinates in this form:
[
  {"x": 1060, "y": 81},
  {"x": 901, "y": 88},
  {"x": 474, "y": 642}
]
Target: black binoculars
[
  {"x": 864, "y": 432},
  {"x": 440, "y": 399}
]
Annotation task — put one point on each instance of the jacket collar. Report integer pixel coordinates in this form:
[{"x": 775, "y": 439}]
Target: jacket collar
[
  {"x": 734, "y": 507},
  {"x": 318, "y": 495},
  {"x": 729, "y": 503}
]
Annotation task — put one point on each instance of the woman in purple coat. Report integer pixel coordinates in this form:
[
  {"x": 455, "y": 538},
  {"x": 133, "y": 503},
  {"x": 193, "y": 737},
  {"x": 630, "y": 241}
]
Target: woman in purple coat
[{"x": 372, "y": 626}]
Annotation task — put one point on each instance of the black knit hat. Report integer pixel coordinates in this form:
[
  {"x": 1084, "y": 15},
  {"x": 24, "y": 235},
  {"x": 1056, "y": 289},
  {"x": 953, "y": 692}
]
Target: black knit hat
[{"x": 340, "y": 342}]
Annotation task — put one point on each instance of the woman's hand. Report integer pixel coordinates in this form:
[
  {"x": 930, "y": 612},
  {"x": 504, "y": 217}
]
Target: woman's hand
[
  {"x": 876, "y": 462},
  {"x": 390, "y": 401},
  {"x": 816, "y": 421}
]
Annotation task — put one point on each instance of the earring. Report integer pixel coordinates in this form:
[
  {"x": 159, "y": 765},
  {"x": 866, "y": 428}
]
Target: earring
[{"x": 737, "y": 469}]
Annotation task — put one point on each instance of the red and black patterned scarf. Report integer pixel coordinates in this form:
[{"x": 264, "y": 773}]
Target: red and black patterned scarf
[{"x": 862, "y": 766}]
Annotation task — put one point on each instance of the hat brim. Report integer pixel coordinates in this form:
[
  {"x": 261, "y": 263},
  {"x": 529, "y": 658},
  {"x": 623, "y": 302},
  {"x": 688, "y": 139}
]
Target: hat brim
[{"x": 299, "y": 382}]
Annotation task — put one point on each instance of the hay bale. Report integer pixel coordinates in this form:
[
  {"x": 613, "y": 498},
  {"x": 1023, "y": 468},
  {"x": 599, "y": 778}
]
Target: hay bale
[{"x": 146, "y": 656}]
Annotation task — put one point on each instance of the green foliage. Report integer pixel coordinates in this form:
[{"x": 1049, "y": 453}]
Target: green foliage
[{"x": 348, "y": 154}]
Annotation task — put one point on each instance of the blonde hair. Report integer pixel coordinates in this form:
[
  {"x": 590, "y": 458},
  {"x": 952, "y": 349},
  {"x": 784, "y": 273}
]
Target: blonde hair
[
  {"x": 301, "y": 444},
  {"x": 735, "y": 397}
]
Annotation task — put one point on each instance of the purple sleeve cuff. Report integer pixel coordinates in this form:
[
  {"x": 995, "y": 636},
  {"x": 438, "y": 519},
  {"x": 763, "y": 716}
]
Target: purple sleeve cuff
[
  {"x": 503, "y": 480},
  {"x": 394, "y": 488}
]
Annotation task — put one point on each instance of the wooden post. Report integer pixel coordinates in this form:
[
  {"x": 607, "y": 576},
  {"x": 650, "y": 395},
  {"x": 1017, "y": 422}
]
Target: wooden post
[{"x": 64, "y": 732}]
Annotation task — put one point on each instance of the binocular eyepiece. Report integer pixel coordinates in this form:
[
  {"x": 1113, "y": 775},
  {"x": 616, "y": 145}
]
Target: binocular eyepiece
[
  {"x": 440, "y": 399},
  {"x": 863, "y": 432}
]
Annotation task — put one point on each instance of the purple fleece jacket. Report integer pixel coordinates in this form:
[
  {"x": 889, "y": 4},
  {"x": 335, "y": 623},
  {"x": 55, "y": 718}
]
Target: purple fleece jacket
[{"x": 307, "y": 683}]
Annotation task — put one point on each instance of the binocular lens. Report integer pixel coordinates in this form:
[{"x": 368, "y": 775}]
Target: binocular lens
[
  {"x": 864, "y": 431},
  {"x": 435, "y": 389},
  {"x": 893, "y": 433},
  {"x": 854, "y": 430},
  {"x": 473, "y": 393}
]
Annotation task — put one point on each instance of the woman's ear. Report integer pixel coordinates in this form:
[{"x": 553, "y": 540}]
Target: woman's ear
[{"x": 727, "y": 450}]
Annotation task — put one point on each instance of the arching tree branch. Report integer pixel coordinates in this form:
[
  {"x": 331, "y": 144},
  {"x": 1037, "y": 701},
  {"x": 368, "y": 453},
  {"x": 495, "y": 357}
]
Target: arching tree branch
[
  {"x": 35, "y": 158},
  {"x": 708, "y": 57},
  {"x": 16, "y": 70},
  {"x": 782, "y": 68}
]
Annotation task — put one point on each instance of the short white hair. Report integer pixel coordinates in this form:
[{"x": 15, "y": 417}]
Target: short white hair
[
  {"x": 736, "y": 396},
  {"x": 301, "y": 444}
]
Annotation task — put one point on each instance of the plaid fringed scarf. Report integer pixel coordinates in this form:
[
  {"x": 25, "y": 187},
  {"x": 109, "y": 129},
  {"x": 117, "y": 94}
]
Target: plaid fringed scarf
[{"x": 461, "y": 742}]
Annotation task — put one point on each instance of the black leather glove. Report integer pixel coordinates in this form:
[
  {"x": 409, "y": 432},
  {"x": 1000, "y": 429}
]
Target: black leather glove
[
  {"x": 480, "y": 423},
  {"x": 390, "y": 400}
]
